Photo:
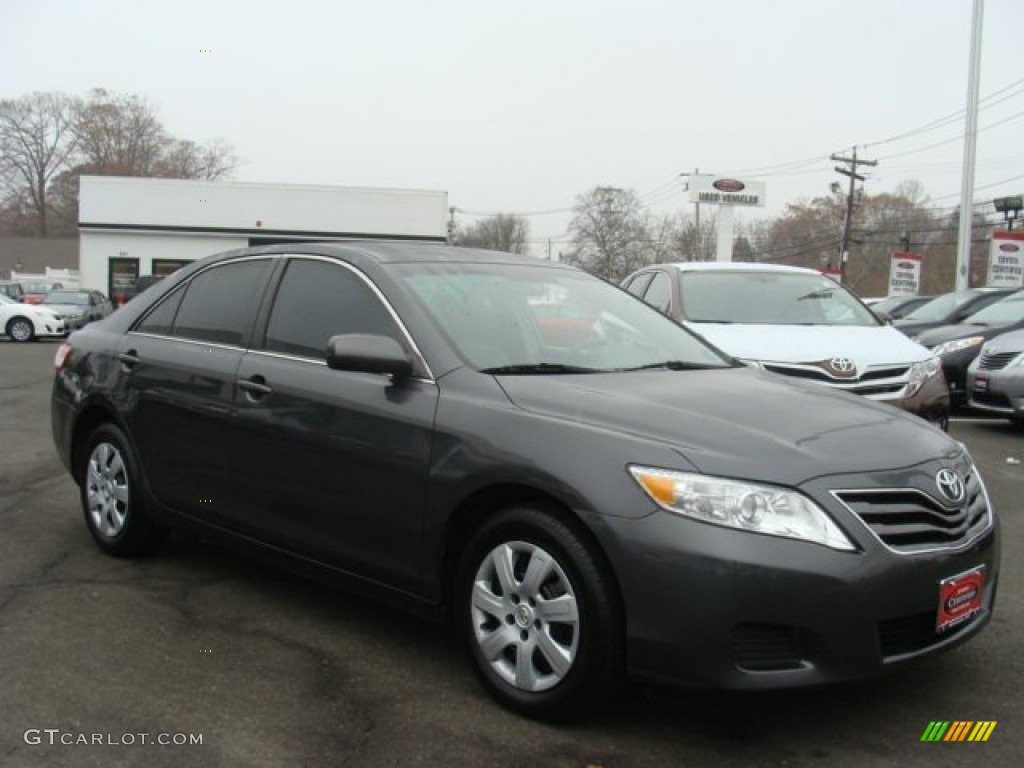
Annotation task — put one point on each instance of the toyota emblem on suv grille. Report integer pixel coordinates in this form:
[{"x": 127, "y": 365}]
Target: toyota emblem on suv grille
[{"x": 950, "y": 485}]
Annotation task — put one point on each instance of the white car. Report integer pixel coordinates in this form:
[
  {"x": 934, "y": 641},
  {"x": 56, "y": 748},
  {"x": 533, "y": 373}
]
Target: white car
[
  {"x": 800, "y": 323},
  {"x": 26, "y": 322}
]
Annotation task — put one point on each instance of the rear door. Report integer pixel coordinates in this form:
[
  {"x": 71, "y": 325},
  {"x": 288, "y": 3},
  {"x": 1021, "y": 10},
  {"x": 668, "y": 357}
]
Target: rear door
[
  {"x": 177, "y": 384},
  {"x": 332, "y": 464}
]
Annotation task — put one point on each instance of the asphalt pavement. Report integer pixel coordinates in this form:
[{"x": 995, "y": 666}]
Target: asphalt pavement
[{"x": 200, "y": 657}]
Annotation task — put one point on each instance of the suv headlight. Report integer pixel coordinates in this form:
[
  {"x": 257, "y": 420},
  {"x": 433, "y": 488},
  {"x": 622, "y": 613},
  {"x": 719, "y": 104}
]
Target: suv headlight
[
  {"x": 921, "y": 372},
  {"x": 957, "y": 344},
  {"x": 746, "y": 506}
]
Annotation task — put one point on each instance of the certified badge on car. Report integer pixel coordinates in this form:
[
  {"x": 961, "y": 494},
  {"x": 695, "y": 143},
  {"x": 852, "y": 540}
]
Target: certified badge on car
[{"x": 960, "y": 597}]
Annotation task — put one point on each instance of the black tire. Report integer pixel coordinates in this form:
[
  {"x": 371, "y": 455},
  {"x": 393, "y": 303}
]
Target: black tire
[
  {"x": 112, "y": 499},
  {"x": 522, "y": 632},
  {"x": 20, "y": 329}
]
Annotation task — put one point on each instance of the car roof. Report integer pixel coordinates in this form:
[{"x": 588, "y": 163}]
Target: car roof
[
  {"x": 736, "y": 266},
  {"x": 395, "y": 252}
]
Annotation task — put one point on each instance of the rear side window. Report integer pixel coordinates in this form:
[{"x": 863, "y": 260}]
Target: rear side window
[
  {"x": 219, "y": 304},
  {"x": 317, "y": 300},
  {"x": 637, "y": 285},
  {"x": 161, "y": 319}
]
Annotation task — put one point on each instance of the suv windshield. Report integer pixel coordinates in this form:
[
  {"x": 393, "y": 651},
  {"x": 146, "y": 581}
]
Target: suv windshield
[
  {"x": 769, "y": 298},
  {"x": 939, "y": 308},
  {"x": 519, "y": 319}
]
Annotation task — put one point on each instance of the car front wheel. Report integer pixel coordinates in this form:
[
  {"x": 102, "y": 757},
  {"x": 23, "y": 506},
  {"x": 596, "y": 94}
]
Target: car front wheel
[
  {"x": 541, "y": 616},
  {"x": 20, "y": 329},
  {"x": 112, "y": 500}
]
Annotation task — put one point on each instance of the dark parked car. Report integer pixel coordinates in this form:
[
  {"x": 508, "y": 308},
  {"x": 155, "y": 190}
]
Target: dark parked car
[
  {"x": 957, "y": 345},
  {"x": 995, "y": 378},
  {"x": 78, "y": 307},
  {"x": 897, "y": 307},
  {"x": 142, "y": 284},
  {"x": 949, "y": 308},
  {"x": 391, "y": 416}
]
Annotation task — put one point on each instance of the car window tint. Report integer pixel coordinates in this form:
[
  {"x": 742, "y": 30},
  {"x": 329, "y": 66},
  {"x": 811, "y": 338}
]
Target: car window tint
[
  {"x": 659, "y": 292},
  {"x": 219, "y": 303},
  {"x": 161, "y": 319},
  {"x": 318, "y": 300}
]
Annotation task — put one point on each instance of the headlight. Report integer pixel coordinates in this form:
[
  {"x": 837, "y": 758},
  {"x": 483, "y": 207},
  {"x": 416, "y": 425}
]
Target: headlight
[
  {"x": 734, "y": 504},
  {"x": 957, "y": 344},
  {"x": 921, "y": 372}
]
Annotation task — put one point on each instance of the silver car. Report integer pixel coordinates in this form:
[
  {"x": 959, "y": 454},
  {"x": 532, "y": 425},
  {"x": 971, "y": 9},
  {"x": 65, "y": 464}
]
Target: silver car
[{"x": 995, "y": 379}]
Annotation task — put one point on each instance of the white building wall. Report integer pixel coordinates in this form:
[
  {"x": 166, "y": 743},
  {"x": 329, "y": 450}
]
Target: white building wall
[{"x": 97, "y": 248}]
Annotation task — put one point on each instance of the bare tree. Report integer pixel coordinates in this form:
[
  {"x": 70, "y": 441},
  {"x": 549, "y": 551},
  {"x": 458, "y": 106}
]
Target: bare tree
[
  {"x": 119, "y": 133},
  {"x": 36, "y": 140},
  {"x": 503, "y": 232},
  {"x": 612, "y": 233}
]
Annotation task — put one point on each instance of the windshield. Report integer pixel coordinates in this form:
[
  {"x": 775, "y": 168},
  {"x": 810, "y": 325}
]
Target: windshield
[
  {"x": 938, "y": 309},
  {"x": 7, "y": 300},
  {"x": 769, "y": 298},
  {"x": 37, "y": 287},
  {"x": 1003, "y": 312},
  {"x": 66, "y": 297},
  {"x": 505, "y": 318}
]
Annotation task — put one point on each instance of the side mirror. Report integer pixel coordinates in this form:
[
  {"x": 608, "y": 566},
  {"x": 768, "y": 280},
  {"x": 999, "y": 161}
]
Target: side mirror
[{"x": 366, "y": 353}]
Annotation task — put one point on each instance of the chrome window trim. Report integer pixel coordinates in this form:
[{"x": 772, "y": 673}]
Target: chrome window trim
[
  {"x": 284, "y": 256},
  {"x": 314, "y": 361},
  {"x": 376, "y": 292},
  {"x": 193, "y": 342}
]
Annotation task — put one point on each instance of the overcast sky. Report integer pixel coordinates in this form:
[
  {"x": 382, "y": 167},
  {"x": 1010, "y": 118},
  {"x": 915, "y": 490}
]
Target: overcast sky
[{"x": 522, "y": 106}]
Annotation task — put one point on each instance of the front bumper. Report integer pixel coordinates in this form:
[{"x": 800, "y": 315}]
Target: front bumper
[
  {"x": 1003, "y": 393},
  {"x": 711, "y": 607}
]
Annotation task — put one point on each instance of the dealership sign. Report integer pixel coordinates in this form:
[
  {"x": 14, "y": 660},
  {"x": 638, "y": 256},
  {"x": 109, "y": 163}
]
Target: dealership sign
[
  {"x": 905, "y": 274},
  {"x": 725, "y": 190},
  {"x": 1006, "y": 260}
]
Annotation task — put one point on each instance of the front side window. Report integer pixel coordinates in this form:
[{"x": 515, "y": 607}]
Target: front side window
[
  {"x": 769, "y": 298},
  {"x": 219, "y": 303},
  {"x": 317, "y": 300}
]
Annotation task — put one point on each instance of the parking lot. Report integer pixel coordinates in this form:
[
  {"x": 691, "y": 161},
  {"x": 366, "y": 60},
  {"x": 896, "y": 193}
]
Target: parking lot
[{"x": 265, "y": 669}]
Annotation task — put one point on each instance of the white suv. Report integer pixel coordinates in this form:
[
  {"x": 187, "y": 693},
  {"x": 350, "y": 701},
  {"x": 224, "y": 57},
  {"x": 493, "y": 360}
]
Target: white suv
[{"x": 797, "y": 322}]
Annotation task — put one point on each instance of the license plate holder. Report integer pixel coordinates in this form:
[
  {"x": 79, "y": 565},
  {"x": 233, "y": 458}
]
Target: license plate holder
[{"x": 960, "y": 597}]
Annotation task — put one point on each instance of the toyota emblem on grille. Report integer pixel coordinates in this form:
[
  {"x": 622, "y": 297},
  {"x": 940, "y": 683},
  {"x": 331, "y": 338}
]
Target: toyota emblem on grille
[
  {"x": 950, "y": 485},
  {"x": 842, "y": 366}
]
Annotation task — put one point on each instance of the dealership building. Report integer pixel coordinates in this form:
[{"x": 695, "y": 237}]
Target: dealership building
[{"x": 132, "y": 226}]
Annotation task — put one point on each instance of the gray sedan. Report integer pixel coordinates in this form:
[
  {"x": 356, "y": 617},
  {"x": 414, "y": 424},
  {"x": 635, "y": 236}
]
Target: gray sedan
[
  {"x": 995, "y": 379},
  {"x": 586, "y": 494},
  {"x": 78, "y": 307}
]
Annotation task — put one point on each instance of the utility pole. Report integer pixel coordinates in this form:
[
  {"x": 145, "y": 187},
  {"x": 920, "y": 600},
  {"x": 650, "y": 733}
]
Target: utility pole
[
  {"x": 451, "y": 225},
  {"x": 963, "y": 248},
  {"x": 851, "y": 172}
]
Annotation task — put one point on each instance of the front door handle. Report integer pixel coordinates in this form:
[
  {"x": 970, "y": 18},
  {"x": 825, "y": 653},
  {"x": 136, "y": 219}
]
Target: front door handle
[
  {"x": 129, "y": 359},
  {"x": 255, "y": 387}
]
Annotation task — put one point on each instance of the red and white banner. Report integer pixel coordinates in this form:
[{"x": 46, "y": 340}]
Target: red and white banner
[
  {"x": 905, "y": 274},
  {"x": 1006, "y": 260}
]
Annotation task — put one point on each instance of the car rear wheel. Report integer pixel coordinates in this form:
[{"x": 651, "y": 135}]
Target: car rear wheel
[
  {"x": 112, "y": 500},
  {"x": 20, "y": 329},
  {"x": 541, "y": 616}
]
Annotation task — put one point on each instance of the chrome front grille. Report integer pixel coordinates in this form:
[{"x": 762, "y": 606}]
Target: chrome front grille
[
  {"x": 880, "y": 383},
  {"x": 995, "y": 362},
  {"x": 909, "y": 520}
]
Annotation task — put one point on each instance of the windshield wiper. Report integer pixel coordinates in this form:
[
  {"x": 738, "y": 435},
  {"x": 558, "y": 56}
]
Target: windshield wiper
[
  {"x": 823, "y": 294},
  {"x": 538, "y": 368},
  {"x": 674, "y": 365}
]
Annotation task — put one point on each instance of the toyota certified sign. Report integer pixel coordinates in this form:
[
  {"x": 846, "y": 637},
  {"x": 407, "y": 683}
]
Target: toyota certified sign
[
  {"x": 1005, "y": 265},
  {"x": 725, "y": 190},
  {"x": 904, "y": 274}
]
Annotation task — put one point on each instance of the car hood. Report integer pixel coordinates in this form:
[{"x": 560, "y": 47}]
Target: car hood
[
  {"x": 739, "y": 422},
  {"x": 866, "y": 345},
  {"x": 64, "y": 309},
  {"x": 943, "y": 333}
]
